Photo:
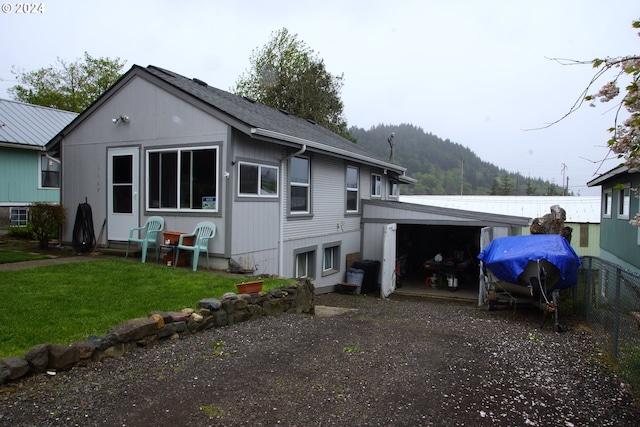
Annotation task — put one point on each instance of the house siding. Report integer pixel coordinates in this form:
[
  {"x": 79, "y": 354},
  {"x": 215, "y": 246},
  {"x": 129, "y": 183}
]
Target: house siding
[
  {"x": 254, "y": 223},
  {"x": 618, "y": 238},
  {"x": 19, "y": 171},
  {"x": 158, "y": 119}
]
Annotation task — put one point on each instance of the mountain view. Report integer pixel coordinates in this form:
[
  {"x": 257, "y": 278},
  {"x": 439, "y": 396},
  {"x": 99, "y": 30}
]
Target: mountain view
[{"x": 440, "y": 166}]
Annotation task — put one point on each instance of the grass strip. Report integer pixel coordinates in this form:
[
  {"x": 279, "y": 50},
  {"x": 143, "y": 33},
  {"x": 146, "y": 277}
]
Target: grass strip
[{"x": 66, "y": 303}]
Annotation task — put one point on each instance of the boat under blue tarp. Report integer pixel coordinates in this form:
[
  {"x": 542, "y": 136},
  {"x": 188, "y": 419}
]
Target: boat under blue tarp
[{"x": 508, "y": 257}]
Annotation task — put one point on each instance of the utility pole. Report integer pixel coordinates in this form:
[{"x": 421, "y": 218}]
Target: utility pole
[
  {"x": 461, "y": 176},
  {"x": 563, "y": 170}
]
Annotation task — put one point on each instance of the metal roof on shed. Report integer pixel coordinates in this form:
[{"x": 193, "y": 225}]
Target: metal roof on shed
[
  {"x": 578, "y": 209},
  {"x": 30, "y": 126}
]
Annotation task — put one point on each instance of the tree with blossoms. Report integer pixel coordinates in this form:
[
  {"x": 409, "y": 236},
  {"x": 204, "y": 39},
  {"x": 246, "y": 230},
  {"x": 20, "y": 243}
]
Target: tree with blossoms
[{"x": 625, "y": 132}]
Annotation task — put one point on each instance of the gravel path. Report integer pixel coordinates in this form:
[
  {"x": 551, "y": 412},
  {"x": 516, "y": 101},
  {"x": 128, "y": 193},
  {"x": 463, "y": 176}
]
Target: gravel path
[{"x": 399, "y": 362}]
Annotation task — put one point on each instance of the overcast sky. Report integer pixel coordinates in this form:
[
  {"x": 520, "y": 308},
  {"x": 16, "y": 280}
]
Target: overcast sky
[{"x": 475, "y": 72}]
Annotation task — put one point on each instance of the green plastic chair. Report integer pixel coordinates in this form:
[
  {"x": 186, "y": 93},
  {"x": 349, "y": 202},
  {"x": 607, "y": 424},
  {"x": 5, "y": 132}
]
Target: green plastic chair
[
  {"x": 202, "y": 233},
  {"x": 151, "y": 228}
]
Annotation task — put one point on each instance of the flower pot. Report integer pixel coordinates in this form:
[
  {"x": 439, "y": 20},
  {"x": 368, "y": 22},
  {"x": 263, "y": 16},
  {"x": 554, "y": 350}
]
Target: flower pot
[{"x": 249, "y": 287}]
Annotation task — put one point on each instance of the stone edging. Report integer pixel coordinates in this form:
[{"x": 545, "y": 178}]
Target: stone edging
[{"x": 141, "y": 332}]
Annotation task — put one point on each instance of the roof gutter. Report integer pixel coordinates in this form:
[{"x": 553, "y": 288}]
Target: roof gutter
[
  {"x": 304, "y": 142},
  {"x": 22, "y": 146},
  {"x": 282, "y": 208}
]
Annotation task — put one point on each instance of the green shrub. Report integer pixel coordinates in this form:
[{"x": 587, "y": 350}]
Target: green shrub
[
  {"x": 46, "y": 219},
  {"x": 21, "y": 232}
]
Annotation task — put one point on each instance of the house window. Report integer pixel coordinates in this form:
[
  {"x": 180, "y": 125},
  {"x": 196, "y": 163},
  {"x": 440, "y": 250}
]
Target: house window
[
  {"x": 257, "y": 180},
  {"x": 300, "y": 185},
  {"x": 623, "y": 203},
  {"x": 183, "y": 179},
  {"x": 393, "y": 188},
  {"x": 606, "y": 203},
  {"x": 19, "y": 217},
  {"x": 352, "y": 189},
  {"x": 331, "y": 258},
  {"x": 376, "y": 185},
  {"x": 304, "y": 262},
  {"x": 49, "y": 172}
]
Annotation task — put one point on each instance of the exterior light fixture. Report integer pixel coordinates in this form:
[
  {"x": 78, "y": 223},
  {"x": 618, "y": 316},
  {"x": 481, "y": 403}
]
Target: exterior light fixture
[{"x": 121, "y": 118}]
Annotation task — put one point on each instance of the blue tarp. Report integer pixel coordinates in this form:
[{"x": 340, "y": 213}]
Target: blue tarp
[{"x": 507, "y": 257}]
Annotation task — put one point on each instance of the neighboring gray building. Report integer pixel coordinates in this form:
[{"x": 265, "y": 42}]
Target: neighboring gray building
[{"x": 27, "y": 173}]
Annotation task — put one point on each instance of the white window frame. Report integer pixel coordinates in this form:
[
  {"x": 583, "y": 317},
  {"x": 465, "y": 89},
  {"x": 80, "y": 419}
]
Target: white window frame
[
  {"x": 624, "y": 202},
  {"x": 22, "y": 215},
  {"x": 330, "y": 258},
  {"x": 607, "y": 199},
  {"x": 304, "y": 257},
  {"x": 48, "y": 161},
  {"x": 376, "y": 185},
  {"x": 300, "y": 184},
  {"x": 393, "y": 188},
  {"x": 212, "y": 206},
  {"x": 259, "y": 179},
  {"x": 352, "y": 188}
]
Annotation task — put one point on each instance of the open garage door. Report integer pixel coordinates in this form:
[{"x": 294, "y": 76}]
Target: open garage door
[{"x": 388, "y": 279}]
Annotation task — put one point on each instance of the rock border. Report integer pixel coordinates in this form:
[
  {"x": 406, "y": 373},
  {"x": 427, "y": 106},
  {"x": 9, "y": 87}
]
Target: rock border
[{"x": 231, "y": 308}]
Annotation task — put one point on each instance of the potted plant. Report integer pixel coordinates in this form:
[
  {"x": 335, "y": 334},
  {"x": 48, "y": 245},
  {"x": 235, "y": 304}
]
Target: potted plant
[{"x": 250, "y": 287}]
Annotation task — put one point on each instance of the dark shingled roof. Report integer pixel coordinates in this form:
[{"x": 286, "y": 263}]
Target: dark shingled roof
[{"x": 260, "y": 116}]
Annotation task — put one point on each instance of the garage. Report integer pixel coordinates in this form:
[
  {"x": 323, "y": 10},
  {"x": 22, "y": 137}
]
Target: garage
[{"x": 431, "y": 250}]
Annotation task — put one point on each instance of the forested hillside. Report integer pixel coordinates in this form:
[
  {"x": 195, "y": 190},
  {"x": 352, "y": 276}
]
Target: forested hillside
[{"x": 438, "y": 164}]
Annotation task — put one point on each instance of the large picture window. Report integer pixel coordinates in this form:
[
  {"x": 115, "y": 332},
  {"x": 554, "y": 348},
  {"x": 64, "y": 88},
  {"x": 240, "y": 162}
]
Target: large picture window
[
  {"x": 49, "y": 172},
  {"x": 352, "y": 189},
  {"x": 183, "y": 179},
  {"x": 300, "y": 185},
  {"x": 257, "y": 180}
]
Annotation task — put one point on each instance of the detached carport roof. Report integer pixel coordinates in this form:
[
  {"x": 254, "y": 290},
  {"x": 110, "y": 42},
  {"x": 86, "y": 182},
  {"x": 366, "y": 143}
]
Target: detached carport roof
[
  {"x": 412, "y": 213},
  {"x": 581, "y": 210}
]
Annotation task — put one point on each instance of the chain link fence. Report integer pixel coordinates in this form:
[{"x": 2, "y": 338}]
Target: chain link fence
[{"x": 608, "y": 298}]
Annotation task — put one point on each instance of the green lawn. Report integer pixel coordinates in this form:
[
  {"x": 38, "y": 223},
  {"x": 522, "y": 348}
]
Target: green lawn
[
  {"x": 15, "y": 256},
  {"x": 66, "y": 303}
]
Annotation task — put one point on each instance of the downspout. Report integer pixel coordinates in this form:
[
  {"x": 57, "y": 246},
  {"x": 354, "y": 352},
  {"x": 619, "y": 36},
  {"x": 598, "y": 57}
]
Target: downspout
[{"x": 282, "y": 209}]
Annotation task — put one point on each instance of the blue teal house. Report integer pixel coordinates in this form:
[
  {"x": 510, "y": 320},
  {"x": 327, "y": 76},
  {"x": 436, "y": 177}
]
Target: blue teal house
[
  {"x": 619, "y": 239},
  {"x": 27, "y": 172}
]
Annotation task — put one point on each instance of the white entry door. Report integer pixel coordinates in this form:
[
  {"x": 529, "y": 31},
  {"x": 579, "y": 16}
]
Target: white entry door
[
  {"x": 123, "y": 183},
  {"x": 388, "y": 279}
]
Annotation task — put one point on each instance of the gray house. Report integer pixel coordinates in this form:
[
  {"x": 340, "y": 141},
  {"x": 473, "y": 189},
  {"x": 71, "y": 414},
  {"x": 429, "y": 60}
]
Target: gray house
[{"x": 286, "y": 194}]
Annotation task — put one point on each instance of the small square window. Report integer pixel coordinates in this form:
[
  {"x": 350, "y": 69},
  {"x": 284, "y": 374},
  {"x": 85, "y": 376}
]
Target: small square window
[
  {"x": 257, "y": 180},
  {"x": 331, "y": 258},
  {"x": 49, "y": 172},
  {"x": 19, "y": 217}
]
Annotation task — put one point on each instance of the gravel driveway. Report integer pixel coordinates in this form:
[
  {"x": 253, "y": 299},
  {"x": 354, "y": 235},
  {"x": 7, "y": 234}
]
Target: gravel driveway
[{"x": 399, "y": 362}]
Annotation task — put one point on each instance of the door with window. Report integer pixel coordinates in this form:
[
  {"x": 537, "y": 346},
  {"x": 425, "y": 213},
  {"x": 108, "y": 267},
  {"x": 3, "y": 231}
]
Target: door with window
[{"x": 123, "y": 188}]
